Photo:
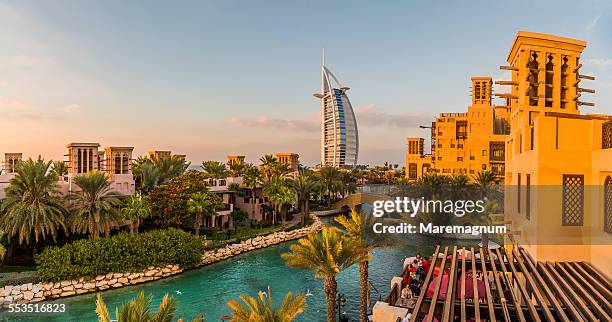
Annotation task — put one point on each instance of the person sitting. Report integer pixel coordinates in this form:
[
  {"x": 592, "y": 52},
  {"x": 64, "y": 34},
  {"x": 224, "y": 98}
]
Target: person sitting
[
  {"x": 415, "y": 264},
  {"x": 406, "y": 293}
]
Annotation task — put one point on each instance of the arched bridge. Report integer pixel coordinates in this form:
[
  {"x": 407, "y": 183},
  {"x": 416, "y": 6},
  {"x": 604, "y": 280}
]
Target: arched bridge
[{"x": 357, "y": 199}]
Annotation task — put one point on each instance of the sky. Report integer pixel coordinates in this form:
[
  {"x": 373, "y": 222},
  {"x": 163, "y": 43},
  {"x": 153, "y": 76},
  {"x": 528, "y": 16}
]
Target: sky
[{"x": 212, "y": 78}]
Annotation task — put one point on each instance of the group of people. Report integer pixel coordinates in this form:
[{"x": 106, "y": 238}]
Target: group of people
[{"x": 414, "y": 276}]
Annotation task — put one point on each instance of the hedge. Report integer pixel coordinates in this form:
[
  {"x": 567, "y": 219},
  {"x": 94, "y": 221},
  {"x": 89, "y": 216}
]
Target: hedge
[
  {"x": 121, "y": 253},
  {"x": 18, "y": 278}
]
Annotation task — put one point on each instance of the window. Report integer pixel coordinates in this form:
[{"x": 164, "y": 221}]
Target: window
[
  {"x": 412, "y": 171},
  {"x": 518, "y": 194},
  {"x": 484, "y": 153},
  {"x": 573, "y": 200},
  {"x": 484, "y": 166},
  {"x": 459, "y": 159},
  {"x": 608, "y": 205},
  {"x": 527, "y": 196}
]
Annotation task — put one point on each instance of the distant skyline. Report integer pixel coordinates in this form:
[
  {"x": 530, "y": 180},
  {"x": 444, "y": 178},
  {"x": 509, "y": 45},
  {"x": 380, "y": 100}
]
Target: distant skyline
[{"x": 212, "y": 78}]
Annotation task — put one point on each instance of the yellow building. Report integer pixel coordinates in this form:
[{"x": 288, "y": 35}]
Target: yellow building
[
  {"x": 235, "y": 158},
  {"x": 466, "y": 143},
  {"x": 417, "y": 162},
  {"x": 558, "y": 196},
  {"x": 290, "y": 159}
]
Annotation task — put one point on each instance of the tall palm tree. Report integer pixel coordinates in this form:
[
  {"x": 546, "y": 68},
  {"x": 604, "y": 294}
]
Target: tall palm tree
[
  {"x": 138, "y": 309},
  {"x": 95, "y": 206},
  {"x": 236, "y": 168},
  {"x": 282, "y": 198},
  {"x": 200, "y": 205},
  {"x": 326, "y": 253},
  {"x": 304, "y": 185},
  {"x": 459, "y": 186},
  {"x": 252, "y": 180},
  {"x": 60, "y": 168},
  {"x": 170, "y": 166},
  {"x": 484, "y": 179},
  {"x": 32, "y": 205},
  {"x": 268, "y": 162},
  {"x": 330, "y": 180},
  {"x": 277, "y": 192},
  {"x": 261, "y": 309},
  {"x": 149, "y": 177},
  {"x": 215, "y": 169},
  {"x": 135, "y": 210},
  {"x": 359, "y": 227}
]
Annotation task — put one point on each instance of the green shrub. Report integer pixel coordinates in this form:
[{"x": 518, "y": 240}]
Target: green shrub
[
  {"x": 121, "y": 253},
  {"x": 17, "y": 278}
]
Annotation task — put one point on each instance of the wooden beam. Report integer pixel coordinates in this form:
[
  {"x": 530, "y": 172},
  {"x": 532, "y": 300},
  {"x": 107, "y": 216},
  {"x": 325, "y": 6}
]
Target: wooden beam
[
  {"x": 584, "y": 295},
  {"x": 548, "y": 294},
  {"x": 508, "y": 68},
  {"x": 504, "y": 82},
  {"x": 586, "y": 77},
  {"x": 438, "y": 286},
  {"x": 586, "y": 90},
  {"x": 419, "y": 303},
  {"x": 485, "y": 279},
  {"x": 605, "y": 291},
  {"x": 446, "y": 310},
  {"x": 515, "y": 300},
  {"x": 506, "y": 95},
  {"x": 595, "y": 272},
  {"x": 532, "y": 311},
  {"x": 462, "y": 292},
  {"x": 573, "y": 312},
  {"x": 585, "y": 103},
  {"x": 603, "y": 301},
  {"x": 498, "y": 286},
  {"x": 475, "y": 286},
  {"x": 533, "y": 286}
]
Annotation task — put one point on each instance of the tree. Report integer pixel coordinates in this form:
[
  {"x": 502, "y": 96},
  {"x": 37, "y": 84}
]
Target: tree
[
  {"x": 484, "y": 179},
  {"x": 32, "y": 205},
  {"x": 236, "y": 168},
  {"x": 60, "y": 168},
  {"x": 304, "y": 185},
  {"x": 326, "y": 254},
  {"x": 215, "y": 169},
  {"x": 360, "y": 227},
  {"x": 261, "y": 309},
  {"x": 135, "y": 210},
  {"x": 203, "y": 204},
  {"x": 149, "y": 178},
  {"x": 279, "y": 194},
  {"x": 138, "y": 309},
  {"x": 95, "y": 206},
  {"x": 330, "y": 181},
  {"x": 252, "y": 180},
  {"x": 268, "y": 162}
]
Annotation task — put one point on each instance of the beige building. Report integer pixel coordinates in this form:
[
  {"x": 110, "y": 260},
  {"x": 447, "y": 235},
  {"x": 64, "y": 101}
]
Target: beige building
[
  {"x": 558, "y": 160},
  {"x": 8, "y": 170},
  {"x": 235, "y": 158},
  {"x": 417, "y": 162},
  {"x": 290, "y": 159}
]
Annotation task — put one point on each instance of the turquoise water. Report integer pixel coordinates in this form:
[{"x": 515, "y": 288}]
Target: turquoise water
[{"x": 206, "y": 290}]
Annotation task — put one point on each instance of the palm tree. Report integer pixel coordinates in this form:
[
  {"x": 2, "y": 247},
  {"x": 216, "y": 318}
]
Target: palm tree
[
  {"x": 268, "y": 162},
  {"x": 459, "y": 186},
  {"x": 304, "y": 185},
  {"x": 359, "y": 227},
  {"x": 135, "y": 210},
  {"x": 138, "y": 309},
  {"x": 95, "y": 206},
  {"x": 215, "y": 169},
  {"x": 484, "y": 179},
  {"x": 261, "y": 309},
  {"x": 170, "y": 166},
  {"x": 326, "y": 254},
  {"x": 278, "y": 193},
  {"x": 252, "y": 180},
  {"x": 60, "y": 168},
  {"x": 32, "y": 205},
  {"x": 330, "y": 178},
  {"x": 149, "y": 177},
  {"x": 236, "y": 168},
  {"x": 199, "y": 205},
  {"x": 283, "y": 197}
]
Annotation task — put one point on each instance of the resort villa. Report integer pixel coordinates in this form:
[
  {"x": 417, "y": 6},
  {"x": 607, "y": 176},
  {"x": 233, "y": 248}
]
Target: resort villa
[
  {"x": 464, "y": 143},
  {"x": 556, "y": 161}
]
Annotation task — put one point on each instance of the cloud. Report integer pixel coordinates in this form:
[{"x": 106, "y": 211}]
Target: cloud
[
  {"x": 72, "y": 108},
  {"x": 368, "y": 115},
  {"x": 598, "y": 62},
  {"x": 276, "y": 123},
  {"x": 11, "y": 103}
]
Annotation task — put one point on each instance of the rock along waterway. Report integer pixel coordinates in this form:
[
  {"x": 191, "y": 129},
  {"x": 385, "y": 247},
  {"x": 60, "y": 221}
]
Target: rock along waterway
[{"x": 206, "y": 290}]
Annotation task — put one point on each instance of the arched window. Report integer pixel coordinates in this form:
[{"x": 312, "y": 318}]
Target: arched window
[
  {"x": 533, "y": 79},
  {"x": 117, "y": 164},
  {"x": 125, "y": 165},
  {"x": 608, "y": 205},
  {"x": 477, "y": 91},
  {"x": 412, "y": 171}
]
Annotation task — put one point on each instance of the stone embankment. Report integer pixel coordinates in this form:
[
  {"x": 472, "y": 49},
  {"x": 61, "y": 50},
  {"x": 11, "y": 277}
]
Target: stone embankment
[{"x": 31, "y": 293}]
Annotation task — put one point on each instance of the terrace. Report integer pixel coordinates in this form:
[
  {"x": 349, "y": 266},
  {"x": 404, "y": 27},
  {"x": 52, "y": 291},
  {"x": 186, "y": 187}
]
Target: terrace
[{"x": 501, "y": 285}]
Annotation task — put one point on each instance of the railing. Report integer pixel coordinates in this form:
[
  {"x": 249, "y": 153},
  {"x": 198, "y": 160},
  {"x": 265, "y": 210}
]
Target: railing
[
  {"x": 393, "y": 295},
  {"x": 606, "y": 135}
]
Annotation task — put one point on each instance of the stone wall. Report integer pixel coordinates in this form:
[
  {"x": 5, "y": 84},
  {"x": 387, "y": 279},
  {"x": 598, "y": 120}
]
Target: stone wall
[{"x": 30, "y": 293}]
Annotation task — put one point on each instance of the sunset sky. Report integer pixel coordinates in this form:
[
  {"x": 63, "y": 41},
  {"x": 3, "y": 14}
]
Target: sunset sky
[{"x": 211, "y": 78}]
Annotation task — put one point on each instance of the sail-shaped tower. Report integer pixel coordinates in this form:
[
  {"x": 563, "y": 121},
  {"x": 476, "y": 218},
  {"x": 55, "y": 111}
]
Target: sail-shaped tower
[{"x": 339, "y": 135}]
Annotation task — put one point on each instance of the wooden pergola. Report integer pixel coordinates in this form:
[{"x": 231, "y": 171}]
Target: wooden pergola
[{"x": 516, "y": 287}]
